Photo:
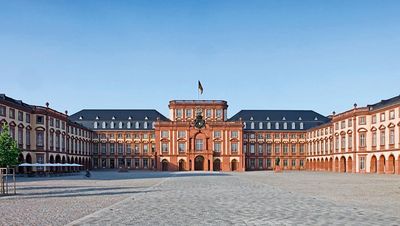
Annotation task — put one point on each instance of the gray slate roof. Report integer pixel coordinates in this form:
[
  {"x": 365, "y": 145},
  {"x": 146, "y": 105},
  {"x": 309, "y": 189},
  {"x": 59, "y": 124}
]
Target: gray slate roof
[
  {"x": 88, "y": 117},
  {"x": 307, "y": 118},
  {"x": 384, "y": 103}
]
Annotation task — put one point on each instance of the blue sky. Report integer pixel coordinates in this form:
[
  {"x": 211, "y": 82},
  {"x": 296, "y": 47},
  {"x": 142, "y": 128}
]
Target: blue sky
[{"x": 319, "y": 55}]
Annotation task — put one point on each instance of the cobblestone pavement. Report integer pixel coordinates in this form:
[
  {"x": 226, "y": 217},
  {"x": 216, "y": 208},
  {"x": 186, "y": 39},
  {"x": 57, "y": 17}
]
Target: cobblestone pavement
[
  {"x": 255, "y": 198},
  {"x": 60, "y": 200}
]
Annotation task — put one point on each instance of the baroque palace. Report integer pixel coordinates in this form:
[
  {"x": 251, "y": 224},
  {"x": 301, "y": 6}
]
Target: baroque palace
[{"x": 198, "y": 135}]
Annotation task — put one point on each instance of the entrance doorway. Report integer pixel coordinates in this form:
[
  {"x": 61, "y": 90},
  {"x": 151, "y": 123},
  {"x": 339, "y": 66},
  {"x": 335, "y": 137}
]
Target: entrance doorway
[
  {"x": 164, "y": 165},
  {"x": 181, "y": 165},
  {"x": 199, "y": 163},
  {"x": 217, "y": 165},
  {"x": 234, "y": 165}
]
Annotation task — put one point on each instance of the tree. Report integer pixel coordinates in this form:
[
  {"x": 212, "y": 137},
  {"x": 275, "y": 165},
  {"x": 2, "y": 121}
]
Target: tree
[{"x": 9, "y": 150}]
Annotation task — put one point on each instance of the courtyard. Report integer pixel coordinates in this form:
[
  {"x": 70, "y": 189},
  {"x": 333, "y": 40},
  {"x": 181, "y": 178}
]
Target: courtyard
[{"x": 203, "y": 198}]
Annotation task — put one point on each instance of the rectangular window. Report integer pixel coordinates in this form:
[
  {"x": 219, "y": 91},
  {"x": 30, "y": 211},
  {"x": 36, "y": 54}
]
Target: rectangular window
[
  {"x": 234, "y": 147},
  {"x": 361, "y": 120},
  {"x": 391, "y": 114},
  {"x": 260, "y": 163},
  {"x": 301, "y": 148},
  {"x": 277, "y": 148},
  {"x": 285, "y": 148},
  {"x": 12, "y": 113},
  {"x": 28, "y": 137},
  {"x": 181, "y": 147},
  {"x": 40, "y": 138},
  {"x": 362, "y": 163},
  {"x": 293, "y": 162},
  {"x": 234, "y": 134},
  {"x": 20, "y": 116},
  {"x": 342, "y": 124},
  {"x": 293, "y": 149},
  {"x": 383, "y": 117},
  {"x": 343, "y": 142},
  {"x": 350, "y": 141},
  {"x": 51, "y": 121},
  {"x": 260, "y": 149},
  {"x": 57, "y": 123},
  {"x": 301, "y": 163},
  {"x": 2, "y": 110},
  {"x": 219, "y": 113},
  {"x": 350, "y": 122},
  {"x": 20, "y": 136},
  {"x": 112, "y": 148},
  {"x": 269, "y": 148},
  {"x": 179, "y": 113},
  {"x": 268, "y": 163},
  {"x": 137, "y": 150},
  {"x": 285, "y": 162},
  {"x": 164, "y": 134},
  {"x": 252, "y": 148},
  {"x": 217, "y": 146},
  {"x": 188, "y": 113},
  {"x": 391, "y": 136},
  {"x": 181, "y": 134},
  {"x": 373, "y": 119},
  {"x": 208, "y": 113},
  {"x": 382, "y": 138},
  {"x": 137, "y": 161},
  {"x": 374, "y": 140},
  {"x": 362, "y": 140},
  {"x": 217, "y": 134},
  {"x": 145, "y": 163},
  {"x": 120, "y": 148},
  {"x": 39, "y": 119},
  {"x": 199, "y": 145},
  {"x": 103, "y": 148},
  {"x": 164, "y": 147},
  {"x": 128, "y": 148}
]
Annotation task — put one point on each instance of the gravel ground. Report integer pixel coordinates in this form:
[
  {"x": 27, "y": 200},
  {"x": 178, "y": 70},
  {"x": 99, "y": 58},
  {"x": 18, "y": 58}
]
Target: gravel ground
[{"x": 201, "y": 198}]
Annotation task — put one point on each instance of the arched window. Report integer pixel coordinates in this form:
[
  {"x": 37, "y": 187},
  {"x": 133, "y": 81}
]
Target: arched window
[
  {"x": 153, "y": 125},
  {"x": 145, "y": 125},
  {"x": 260, "y": 125},
  {"x": 293, "y": 125},
  {"x": 128, "y": 125},
  {"x": 244, "y": 125},
  {"x": 95, "y": 125},
  {"x": 120, "y": 125},
  {"x": 137, "y": 125},
  {"x": 277, "y": 125},
  {"x": 268, "y": 125},
  {"x": 104, "y": 125},
  {"x": 285, "y": 125},
  {"x": 301, "y": 125},
  {"x": 252, "y": 125},
  {"x": 112, "y": 125}
]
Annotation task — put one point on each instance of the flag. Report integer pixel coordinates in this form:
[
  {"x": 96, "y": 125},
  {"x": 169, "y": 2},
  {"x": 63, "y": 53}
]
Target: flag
[{"x": 200, "y": 88}]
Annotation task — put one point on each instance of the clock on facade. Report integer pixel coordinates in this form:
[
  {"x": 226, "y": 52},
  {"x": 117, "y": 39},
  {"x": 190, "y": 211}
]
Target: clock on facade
[{"x": 199, "y": 122}]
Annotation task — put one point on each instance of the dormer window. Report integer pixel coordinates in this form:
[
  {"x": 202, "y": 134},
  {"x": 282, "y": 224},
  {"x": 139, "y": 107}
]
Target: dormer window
[
  {"x": 153, "y": 125},
  {"x": 137, "y": 125},
  {"x": 113, "y": 118},
  {"x": 95, "y": 125},
  {"x": 244, "y": 125},
  {"x": 129, "y": 118},
  {"x": 80, "y": 117},
  {"x": 146, "y": 118},
  {"x": 285, "y": 125},
  {"x": 268, "y": 125},
  {"x": 120, "y": 125},
  {"x": 267, "y": 118},
  {"x": 104, "y": 124},
  {"x": 128, "y": 125},
  {"x": 112, "y": 125},
  {"x": 277, "y": 125},
  {"x": 293, "y": 125},
  {"x": 260, "y": 125},
  {"x": 251, "y": 118},
  {"x": 252, "y": 125},
  {"x": 300, "y": 119},
  {"x": 301, "y": 125},
  {"x": 283, "y": 118},
  {"x": 97, "y": 118},
  {"x": 316, "y": 118},
  {"x": 145, "y": 125}
]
